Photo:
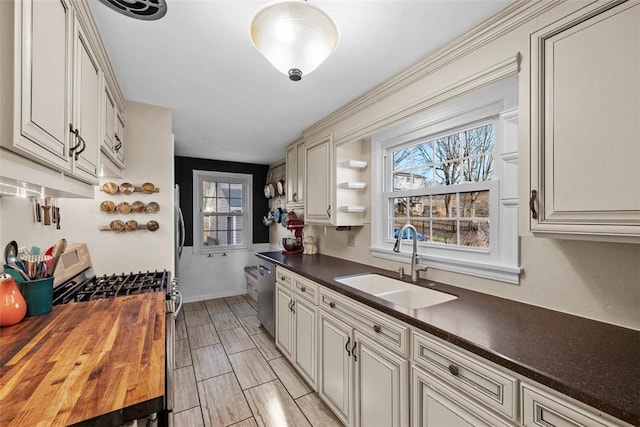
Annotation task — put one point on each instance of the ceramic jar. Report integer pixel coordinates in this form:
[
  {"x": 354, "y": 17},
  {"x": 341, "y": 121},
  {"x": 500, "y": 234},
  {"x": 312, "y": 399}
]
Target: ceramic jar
[{"x": 13, "y": 306}]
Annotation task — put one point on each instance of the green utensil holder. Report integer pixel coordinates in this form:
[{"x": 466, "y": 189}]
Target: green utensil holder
[{"x": 39, "y": 295}]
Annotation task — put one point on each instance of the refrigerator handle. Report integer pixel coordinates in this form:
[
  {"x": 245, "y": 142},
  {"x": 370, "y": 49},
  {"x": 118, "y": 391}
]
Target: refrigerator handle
[{"x": 182, "y": 232}]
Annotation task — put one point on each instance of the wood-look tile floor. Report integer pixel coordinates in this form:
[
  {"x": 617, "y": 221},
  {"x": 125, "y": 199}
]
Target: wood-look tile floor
[{"x": 228, "y": 372}]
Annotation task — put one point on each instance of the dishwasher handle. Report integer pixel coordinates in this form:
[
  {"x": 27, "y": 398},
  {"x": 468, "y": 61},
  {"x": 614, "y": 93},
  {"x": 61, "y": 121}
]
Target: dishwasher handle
[{"x": 262, "y": 270}]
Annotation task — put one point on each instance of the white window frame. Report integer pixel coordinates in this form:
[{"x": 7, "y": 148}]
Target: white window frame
[
  {"x": 496, "y": 103},
  {"x": 199, "y": 176}
]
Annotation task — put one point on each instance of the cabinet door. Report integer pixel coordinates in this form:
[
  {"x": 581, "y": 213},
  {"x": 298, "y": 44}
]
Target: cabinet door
[
  {"x": 119, "y": 140},
  {"x": 435, "y": 405},
  {"x": 284, "y": 321},
  {"x": 585, "y": 107},
  {"x": 87, "y": 100},
  {"x": 319, "y": 183},
  {"x": 381, "y": 385},
  {"x": 305, "y": 339},
  {"x": 292, "y": 174},
  {"x": 335, "y": 365},
  {"x": 109, "y": 123},
  {"x": 300, "y": 176},
  {"x": 46, "y": 68}
]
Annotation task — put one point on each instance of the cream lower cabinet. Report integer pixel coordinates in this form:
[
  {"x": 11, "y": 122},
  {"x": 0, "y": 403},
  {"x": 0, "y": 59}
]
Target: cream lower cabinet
[
  {"x": 296, "y": 328},
  {"x": 435, "y": 405},
  {"x": 335, "y": 371},
  {"x": 546, "y": 408},
  {"x": 361, "y": 379},
  {"x": 585, "y": 106}
]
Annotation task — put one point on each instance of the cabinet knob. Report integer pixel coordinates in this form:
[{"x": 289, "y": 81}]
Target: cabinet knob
[
  {"x": 377, "y": 328},
  {"x": 332, "y": 304},
  {"x": 532, "y": 204},
  {"x": 303, "y": 289},
  {"x": 454, "y": 370}
]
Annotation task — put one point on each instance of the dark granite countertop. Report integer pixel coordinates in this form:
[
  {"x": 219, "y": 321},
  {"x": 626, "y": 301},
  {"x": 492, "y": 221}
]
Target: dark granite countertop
[{"x": 594, "y": 362}]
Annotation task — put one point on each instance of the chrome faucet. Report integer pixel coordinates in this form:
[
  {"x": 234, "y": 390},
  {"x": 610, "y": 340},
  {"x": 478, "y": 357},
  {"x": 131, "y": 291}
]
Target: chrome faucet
[{"x": 415, "y": 260}]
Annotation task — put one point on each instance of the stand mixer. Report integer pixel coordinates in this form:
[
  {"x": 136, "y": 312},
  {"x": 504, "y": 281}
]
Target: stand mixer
[{"x": 293, "y": 243}]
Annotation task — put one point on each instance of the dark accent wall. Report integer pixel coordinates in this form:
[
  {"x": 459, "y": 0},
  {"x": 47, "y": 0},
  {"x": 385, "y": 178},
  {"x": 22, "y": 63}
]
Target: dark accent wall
[{"x": 184, "y": 167}]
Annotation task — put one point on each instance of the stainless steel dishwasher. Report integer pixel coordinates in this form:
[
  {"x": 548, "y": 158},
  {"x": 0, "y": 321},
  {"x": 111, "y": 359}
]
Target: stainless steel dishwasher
[{"x": 266, "y": 290}]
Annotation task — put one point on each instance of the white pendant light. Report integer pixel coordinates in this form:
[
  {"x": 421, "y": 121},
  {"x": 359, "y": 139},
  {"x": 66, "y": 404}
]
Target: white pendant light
[{"x": 294, "y": 36}]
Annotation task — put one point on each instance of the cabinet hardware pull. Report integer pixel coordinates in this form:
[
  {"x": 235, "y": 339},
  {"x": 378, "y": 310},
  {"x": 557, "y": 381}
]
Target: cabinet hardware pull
[
  {"x": 78, "y": 141},
  {"x": 303, "y": 289},
  {"x": 84, "y": 146},
  {"x": 346, "y": 346},
  {"x": 293, "y": 307},
  {"x": 290, "y": 309},
  {"x": 295, "y": 197},
  {"x": 332, "y": 304},
  {"x": 329, "y": 211},
  {"x": 532, "y": 206},
  {"x": 454, "y": 370},
  {"x": 377, "y": 328},
  {"x": 353, "y": 351},
  {"x": 118, "y": 145}
]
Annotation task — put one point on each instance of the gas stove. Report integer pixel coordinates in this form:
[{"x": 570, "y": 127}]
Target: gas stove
[{"x": 83, "y": 288}]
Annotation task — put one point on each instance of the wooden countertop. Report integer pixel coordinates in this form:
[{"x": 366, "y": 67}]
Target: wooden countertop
[
  {"x": 593, "y": 362},
  {"x": 83, "y": 360}
]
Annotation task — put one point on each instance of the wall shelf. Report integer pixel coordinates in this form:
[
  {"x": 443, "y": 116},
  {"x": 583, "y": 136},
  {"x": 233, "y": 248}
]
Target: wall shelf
[
  {"x": 353, "y": 209},
  {"x": 354, "y": 164},
  {"x": 353, "y": 185}
]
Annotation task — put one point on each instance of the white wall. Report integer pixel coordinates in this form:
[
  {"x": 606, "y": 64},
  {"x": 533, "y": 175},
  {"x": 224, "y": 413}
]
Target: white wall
[
  {"x": 203, "y": 277},
  {"x": 149, "y": 158},
  {"x": 589, "y": 279}
]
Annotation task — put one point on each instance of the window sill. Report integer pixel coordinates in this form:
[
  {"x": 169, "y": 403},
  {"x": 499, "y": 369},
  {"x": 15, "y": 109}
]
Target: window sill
[{"x": 486, "y": 270}]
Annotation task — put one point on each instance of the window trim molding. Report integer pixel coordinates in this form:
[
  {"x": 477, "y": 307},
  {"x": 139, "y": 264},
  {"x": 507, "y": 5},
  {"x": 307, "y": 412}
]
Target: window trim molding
[
  {"x": 247, "y": 201},
  {"x": 501, "y": 261}
]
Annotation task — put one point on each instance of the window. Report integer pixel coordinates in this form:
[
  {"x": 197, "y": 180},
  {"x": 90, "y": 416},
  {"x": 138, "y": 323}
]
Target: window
[
  {"x": 222, "y": 211},
  {"x": 425, "y": 173},
  {"x": 452, "y": 174}
]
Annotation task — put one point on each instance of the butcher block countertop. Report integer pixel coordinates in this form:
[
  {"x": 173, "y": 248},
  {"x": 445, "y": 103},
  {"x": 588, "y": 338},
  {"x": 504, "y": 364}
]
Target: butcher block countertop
[
  {"x": 84, "y": 360},
  {"x": 593, "y": 362}
]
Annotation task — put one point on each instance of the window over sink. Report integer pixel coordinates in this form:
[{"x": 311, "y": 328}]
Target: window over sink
[
  {"x": 222, "y": 211},
  {"x": 451, "y": 172}
]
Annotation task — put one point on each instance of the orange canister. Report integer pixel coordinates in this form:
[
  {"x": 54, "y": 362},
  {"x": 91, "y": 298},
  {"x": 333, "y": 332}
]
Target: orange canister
[{"x": 13, "y": 307}]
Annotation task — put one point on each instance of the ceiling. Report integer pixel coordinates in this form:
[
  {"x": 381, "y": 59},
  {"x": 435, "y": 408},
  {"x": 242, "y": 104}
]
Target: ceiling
[{"x": 229, "y": 103}]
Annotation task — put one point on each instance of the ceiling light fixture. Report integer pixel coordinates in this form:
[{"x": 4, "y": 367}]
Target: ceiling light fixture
[{"x": 294, "y": 36}]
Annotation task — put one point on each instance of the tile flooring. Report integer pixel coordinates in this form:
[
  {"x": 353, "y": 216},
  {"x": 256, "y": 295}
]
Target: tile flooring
[{"x": 229, "y": 373}]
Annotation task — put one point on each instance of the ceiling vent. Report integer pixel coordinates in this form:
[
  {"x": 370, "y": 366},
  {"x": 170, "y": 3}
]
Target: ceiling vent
[{"x": 148, "y": 10}]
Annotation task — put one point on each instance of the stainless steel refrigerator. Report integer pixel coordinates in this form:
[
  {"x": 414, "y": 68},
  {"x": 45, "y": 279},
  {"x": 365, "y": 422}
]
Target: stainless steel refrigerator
[{"x": 179, "y": 231}]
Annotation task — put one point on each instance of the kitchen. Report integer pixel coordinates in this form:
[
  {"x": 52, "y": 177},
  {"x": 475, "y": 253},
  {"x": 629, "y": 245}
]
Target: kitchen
[{"x": 590, "y": 279}]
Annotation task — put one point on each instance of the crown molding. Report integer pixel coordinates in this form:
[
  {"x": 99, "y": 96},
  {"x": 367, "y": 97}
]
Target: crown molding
[{"x": 505, "y": 21}]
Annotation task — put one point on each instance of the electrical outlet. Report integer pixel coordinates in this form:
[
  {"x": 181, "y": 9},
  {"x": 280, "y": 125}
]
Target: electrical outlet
[{"x": 351, "y": 240}]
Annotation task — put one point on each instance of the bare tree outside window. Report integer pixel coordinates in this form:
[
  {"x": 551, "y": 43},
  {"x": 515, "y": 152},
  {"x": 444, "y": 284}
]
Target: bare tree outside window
[{"x": 448, "y": 217}]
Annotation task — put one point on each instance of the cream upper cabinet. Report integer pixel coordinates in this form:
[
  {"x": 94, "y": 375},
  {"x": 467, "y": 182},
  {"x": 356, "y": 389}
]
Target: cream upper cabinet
[
  {"x": 53, "y": 92},
  {"x": 585, "y": 127},
  {"x": 43, "y": 90},
  {"x": 319, "y": 184},
  {"x": 335, "y": 182},
  {"x": 295, "y": 174},
  {"x": 86, "y": 109},
  {"x": 113, "y": 130},
  {"x": 119, "y": 139}
]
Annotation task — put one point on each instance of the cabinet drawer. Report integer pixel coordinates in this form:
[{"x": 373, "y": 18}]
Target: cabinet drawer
[
  {"x": 542, "y": 408},
  {"x": 365, "y": 320},
  {"x": 485, "y": 383},
  {"x": 306, "y": 289},
  {"x": 284, "y": 277}
]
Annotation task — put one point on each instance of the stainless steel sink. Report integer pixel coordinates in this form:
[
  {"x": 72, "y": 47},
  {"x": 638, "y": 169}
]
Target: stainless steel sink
[{"x": 396, "y": 291}]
